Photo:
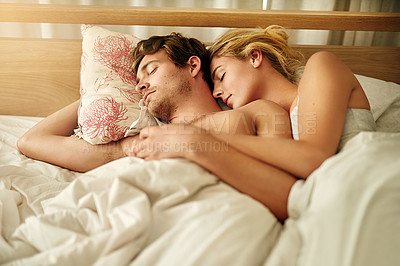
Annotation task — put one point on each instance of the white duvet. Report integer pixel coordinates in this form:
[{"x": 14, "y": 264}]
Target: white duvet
[
  {"x": 347, "y": 213},
  {"x": 173, "y": 212},
  {"x": 169, "y": 212}
]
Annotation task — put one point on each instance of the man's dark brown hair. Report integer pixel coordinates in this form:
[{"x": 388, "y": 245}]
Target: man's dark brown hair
[{"x": 178, "y": 48}]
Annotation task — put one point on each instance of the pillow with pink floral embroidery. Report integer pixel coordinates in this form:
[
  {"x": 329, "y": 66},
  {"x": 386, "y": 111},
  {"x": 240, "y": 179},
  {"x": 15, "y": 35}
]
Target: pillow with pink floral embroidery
[{"x": 109, "y": 101}]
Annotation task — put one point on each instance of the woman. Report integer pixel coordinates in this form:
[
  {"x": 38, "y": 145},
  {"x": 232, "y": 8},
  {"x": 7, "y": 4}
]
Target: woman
[{"x": 327, "y": 105}]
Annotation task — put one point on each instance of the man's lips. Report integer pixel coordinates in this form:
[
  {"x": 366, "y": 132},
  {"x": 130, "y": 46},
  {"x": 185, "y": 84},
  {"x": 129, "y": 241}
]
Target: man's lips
[{"x": 146, "y": 95}]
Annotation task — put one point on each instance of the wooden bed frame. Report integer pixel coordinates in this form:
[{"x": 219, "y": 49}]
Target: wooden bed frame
[{"x": 40, "y": 76}]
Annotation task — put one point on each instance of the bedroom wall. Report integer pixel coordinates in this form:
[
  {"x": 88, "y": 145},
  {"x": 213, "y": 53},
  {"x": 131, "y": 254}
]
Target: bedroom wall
[{"x": 27, "y": 30}]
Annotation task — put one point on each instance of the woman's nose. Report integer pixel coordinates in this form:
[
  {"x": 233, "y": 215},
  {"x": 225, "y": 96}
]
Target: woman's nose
[{"x": 217, "y": 93}]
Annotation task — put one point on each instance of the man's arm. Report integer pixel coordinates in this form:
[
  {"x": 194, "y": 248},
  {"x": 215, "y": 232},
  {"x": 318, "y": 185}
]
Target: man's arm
[{"x": 50, "y": 141}]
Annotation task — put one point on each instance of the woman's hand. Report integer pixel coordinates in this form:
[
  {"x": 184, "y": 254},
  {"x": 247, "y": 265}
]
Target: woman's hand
[{"x": 168, "y": 141}]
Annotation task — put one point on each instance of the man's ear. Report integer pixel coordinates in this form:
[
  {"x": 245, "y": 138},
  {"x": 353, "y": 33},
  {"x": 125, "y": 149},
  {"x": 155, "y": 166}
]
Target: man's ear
[
  {"x": 194, "y": 65},
  {"x": 256, "y": 58}
]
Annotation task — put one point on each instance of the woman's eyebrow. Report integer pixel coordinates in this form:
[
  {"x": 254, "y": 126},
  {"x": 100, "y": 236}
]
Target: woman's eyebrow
[{"x": 215, "y": 70}]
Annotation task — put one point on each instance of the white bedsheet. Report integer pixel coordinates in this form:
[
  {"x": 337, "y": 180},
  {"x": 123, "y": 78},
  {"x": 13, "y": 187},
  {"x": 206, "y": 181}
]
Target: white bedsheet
[{"x": 173, "y": 212}]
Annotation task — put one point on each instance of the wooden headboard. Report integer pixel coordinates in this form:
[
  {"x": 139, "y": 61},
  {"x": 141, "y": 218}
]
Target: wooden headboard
[{"x": 39, "y": 76}]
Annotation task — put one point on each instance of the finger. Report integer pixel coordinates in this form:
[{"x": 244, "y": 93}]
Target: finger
[
  {"x": 142, "y": 149},
  {"x": 130, "y": 152},
  {"x": 148, "y": 131},
  {"x": 151, "y": 158},
  {"x": 142, "y": 154},
  {"x": 129, "y": 149},
  {"x": 134, "y": 148},
  {"x": 144, "y": 133}
]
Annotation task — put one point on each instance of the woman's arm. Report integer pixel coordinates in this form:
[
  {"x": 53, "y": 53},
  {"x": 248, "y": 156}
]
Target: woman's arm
[
  {"x": 298, "y": 158},
  {"x": 265, "y": 183},
  {"x": 50, "y": 141}
]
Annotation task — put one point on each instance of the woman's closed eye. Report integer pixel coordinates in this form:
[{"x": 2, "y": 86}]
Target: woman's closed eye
[
  {"x": 222, "y": 77},
  {"x": 153, "y": 70}
]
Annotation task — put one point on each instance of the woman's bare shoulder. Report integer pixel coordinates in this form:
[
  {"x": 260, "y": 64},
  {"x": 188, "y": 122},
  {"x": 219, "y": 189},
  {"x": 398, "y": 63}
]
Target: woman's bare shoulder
[
  {"x": 262, "y": 106},
  {"x": 326, "y": 65},
  {"x": 268, "y": 118},
  {"x": 232, "y": 121},
  {"x": 322, "y": 57}
]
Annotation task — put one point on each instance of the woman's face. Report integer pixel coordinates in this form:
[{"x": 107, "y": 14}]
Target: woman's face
[{"x": 234, "y": 80}]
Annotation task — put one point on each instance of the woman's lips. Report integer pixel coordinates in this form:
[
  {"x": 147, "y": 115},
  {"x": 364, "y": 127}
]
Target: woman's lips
[{"x": 227, "y": 99}]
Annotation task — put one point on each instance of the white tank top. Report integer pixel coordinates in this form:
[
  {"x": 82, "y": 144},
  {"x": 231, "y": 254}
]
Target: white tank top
[{"x": 357, "y": 120}]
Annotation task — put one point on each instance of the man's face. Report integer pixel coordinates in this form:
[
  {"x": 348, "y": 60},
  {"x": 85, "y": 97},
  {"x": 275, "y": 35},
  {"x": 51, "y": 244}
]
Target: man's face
[{"x": 162, "y": 84}]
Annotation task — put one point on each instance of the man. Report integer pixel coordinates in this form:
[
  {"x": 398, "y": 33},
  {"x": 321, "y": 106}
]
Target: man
[
  {"x": 183, "y": 96},
  {"x": 180, "y": 81}
]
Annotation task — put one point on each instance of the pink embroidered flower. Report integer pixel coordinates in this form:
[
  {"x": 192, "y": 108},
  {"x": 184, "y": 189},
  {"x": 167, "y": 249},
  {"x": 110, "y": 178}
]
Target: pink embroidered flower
[
  {"x": 82, "y": 90},
  {"x": 102, "y": 82},
  {"x": 84, "y": 59},
  {"x": 101, "y": 117},
  {"x": 114, "y": 52}
]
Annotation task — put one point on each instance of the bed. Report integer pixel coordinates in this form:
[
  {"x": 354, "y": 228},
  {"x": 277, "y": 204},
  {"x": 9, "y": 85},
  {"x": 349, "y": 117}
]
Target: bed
[{"x": 173, "y": 212}]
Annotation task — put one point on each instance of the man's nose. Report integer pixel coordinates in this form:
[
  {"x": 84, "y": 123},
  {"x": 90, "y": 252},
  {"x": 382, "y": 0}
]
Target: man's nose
[{"x": 141, "y": 86}]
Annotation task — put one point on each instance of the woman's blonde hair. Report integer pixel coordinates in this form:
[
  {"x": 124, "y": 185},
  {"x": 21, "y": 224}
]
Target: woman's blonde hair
[{"x": 273, "y": 43}]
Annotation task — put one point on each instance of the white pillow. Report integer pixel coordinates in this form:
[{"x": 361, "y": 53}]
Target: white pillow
[
  {"x": 384, "y": 99},
  {"x": 109, "y": 101}
]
